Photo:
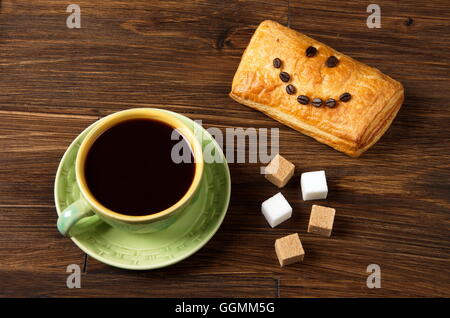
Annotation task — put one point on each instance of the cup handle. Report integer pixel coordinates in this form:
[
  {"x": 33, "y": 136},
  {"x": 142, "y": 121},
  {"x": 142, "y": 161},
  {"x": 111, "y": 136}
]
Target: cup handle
[{"x": 72, "y": 214}]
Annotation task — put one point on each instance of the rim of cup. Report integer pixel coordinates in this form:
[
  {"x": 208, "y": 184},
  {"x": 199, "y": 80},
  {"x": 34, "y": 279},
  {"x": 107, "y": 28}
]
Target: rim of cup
[{"x": 138, "y": 113}]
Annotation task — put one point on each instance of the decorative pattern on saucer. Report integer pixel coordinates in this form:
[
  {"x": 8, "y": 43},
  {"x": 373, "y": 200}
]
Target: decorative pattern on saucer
[{"x": 193, "y": 229}]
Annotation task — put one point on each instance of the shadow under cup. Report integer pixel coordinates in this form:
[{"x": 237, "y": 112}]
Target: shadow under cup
[{"x": 137, "y": 169}]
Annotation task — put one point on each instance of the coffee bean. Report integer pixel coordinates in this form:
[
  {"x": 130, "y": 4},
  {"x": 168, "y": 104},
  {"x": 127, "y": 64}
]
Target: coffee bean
[
  {"x": 345, "y": 97},
  {"x": 285, "y": 77},
  {"x": 332, "y": 61},
  {"x": 311, "y": 51},
  {"x": 302, "y": 99},
  {"x": 316, "y": 102},
  {"x": 330, "y": 103},
  {"x": 277, "y": 63},
  {"x": 290, "y": 89}
]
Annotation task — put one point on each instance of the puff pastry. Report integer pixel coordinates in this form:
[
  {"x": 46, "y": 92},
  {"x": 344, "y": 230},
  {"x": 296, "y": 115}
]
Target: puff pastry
[{"x": 351, "y": 127}]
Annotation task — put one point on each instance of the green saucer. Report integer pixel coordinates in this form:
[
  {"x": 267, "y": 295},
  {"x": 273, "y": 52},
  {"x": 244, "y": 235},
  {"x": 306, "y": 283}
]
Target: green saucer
[{"x": 193, "y": 229}]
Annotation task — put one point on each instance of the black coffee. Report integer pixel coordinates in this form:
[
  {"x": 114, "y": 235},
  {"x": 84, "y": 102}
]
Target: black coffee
[{"x": 129, "y": 168}]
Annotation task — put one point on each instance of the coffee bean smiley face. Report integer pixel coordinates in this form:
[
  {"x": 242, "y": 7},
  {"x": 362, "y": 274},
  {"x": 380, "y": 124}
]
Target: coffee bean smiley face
[{"x": 331, "y": 62}]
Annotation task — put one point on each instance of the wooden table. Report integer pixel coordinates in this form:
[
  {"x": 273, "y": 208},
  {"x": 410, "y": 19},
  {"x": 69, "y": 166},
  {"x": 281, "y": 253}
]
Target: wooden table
[{"x": 393, "y": 203}]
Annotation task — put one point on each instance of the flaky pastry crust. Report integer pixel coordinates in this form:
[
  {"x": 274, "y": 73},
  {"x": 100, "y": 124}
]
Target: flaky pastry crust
[{"x": 351, "y": 127}]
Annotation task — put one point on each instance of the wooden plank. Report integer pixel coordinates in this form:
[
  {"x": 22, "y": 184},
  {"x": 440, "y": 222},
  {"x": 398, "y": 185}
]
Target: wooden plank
[
  {"x": 337, "y": 286},
  {"x": 32, "y": 145},
  {"x": 34, "y": 257},
  {"x": 126, "y": 54},
  {"x": 132, "y": 284}
]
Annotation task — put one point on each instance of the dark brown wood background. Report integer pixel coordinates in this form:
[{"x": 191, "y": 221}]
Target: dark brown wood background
[{"x": 393, "y": 203}]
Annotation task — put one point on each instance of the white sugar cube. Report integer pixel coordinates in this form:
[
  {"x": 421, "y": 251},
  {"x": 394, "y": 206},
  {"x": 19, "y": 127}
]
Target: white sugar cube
[
  {"x": 276, "y": 209},
  {"x": 314, "y": 185}
]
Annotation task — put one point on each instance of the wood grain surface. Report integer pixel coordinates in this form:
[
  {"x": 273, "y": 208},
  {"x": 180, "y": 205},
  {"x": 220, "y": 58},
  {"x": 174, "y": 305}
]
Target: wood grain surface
[{"x": 393, "y": 203}]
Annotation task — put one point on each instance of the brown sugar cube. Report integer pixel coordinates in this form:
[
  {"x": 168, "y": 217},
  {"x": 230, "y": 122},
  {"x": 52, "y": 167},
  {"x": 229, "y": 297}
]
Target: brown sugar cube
[
  {"x": 279, "y": 171},
  {"x": 321, "y": 220},
  {"x": 289, "y": 249}
]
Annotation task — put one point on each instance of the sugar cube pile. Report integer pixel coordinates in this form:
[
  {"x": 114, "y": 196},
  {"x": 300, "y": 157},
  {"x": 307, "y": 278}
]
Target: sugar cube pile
[{"x": 277, "y": 209}]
